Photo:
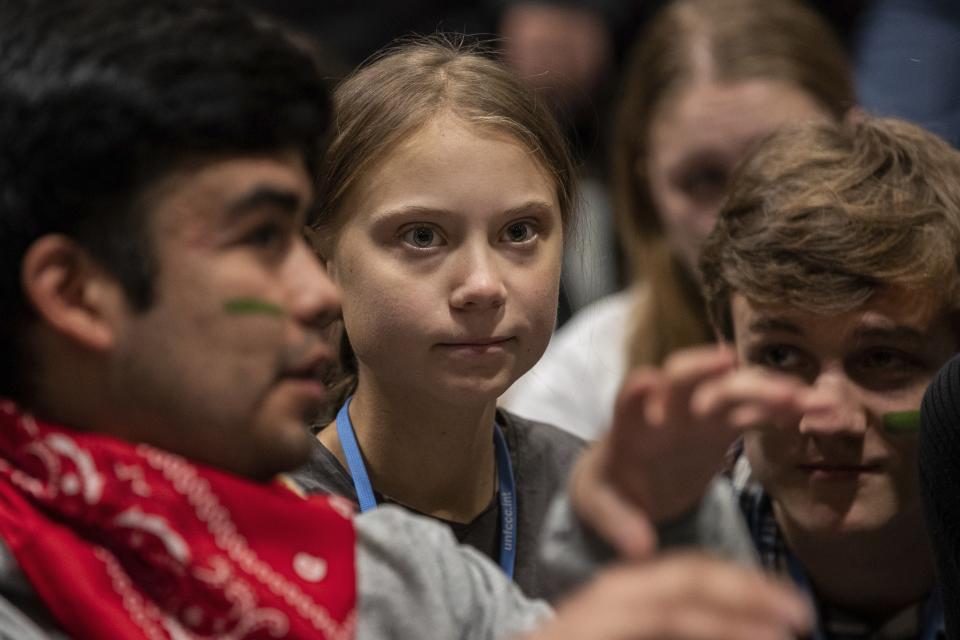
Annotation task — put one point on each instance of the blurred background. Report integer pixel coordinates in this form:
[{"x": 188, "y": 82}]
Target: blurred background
[{"x": 904, "y": 53}]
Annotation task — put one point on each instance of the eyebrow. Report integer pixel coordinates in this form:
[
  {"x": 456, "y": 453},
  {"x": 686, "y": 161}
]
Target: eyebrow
[
  {"x": 899, "y": 333},
  {"x": 533, "y": 206},
  {"x": 768, "y": 324},
  {"x": 263, "y": 197}
]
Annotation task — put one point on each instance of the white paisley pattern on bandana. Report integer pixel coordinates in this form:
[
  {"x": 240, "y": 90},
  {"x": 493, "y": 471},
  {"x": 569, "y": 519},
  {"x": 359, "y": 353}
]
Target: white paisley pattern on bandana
[{"x": 130, "y": 541}]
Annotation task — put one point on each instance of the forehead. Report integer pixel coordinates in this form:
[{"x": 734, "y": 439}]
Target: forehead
[
  {"x": 452, "y": 165},
  {"x": 895, "y": 313},
  {"x": 211, "y": 194},
  {"x": 726, "y": 118}
]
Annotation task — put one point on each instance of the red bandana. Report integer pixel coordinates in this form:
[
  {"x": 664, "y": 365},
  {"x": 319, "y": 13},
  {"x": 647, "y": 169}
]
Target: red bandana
[{"x": 125, "y": 541}]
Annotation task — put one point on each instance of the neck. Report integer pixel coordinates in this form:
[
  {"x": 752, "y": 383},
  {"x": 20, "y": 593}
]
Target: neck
[
  {"x": 852, "y": 571},
  {"x": 436, "y": 458},
  {"x": 70, "y": 388}
]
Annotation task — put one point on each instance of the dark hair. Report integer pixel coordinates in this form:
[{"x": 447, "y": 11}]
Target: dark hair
[{"x": 100, "y": 98}]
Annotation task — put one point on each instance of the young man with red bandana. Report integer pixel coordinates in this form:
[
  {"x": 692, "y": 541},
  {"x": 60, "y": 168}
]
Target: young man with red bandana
[{"x": 164, "y": 331}]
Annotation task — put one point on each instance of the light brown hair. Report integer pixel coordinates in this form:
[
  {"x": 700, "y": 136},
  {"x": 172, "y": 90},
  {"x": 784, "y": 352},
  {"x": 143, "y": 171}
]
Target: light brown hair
[
  {"x": 823, "y": 217},
  {"x": 410, "y": 84},
  {"x": 723, "y": 41}
]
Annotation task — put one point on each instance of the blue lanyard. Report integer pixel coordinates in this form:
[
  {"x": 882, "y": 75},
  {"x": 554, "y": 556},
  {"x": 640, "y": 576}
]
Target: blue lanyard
[
  {"x": 931, "y": 614},
  {"x": 506, "y": 493}
]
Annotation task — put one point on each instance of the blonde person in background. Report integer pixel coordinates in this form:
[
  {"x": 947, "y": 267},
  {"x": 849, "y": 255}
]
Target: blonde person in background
[{"x": 708, "y": 78}]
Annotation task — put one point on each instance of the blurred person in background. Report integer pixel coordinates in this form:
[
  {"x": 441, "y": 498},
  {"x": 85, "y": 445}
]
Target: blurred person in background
[{"x": 708, "y": 79}]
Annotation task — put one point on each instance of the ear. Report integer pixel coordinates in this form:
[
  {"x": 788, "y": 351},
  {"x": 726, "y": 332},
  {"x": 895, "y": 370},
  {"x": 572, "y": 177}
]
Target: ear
[{"x": 70, "y": 292}]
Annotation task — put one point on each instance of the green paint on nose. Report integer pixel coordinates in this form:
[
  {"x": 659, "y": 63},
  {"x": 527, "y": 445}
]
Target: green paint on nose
[
  {"x": 901, "y": 422},
  {"x": 252, "y": 306}
]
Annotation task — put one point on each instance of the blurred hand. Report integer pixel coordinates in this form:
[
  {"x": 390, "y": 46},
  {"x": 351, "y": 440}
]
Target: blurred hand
[
  {"x": 561, "y": 49},
  {"x": 689, "y": 596},
  {"x": 671, "y": 429}
]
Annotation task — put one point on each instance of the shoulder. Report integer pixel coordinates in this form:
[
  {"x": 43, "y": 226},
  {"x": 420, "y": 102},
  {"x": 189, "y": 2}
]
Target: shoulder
[
  {"x": 940, "y": 415},
  {"x": 23, "y": 616},
  {"x": 323, "y": 473},
  {"x": 545, "y": 443},
  {"x": 409, "y": 563}
]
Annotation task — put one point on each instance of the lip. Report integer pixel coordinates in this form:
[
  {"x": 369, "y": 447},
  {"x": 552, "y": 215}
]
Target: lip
[
  {"x": 837, "y": 471},
  {"x": 308, "y": 374},
  {"x": 478, "y": 346},
  {"x": 312, "y": 389}
]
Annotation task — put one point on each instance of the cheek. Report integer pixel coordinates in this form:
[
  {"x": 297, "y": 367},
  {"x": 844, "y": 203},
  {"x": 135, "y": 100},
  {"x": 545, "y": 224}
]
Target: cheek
[
  {"x": 536, "y": 292},
  {"x": 906, "y": 455},
  {"x": 768, "y": 454},
  {"x": 672, "y": 207},
  {"x": 192, "y": 324},
  {"x": 382, "y": 312}
]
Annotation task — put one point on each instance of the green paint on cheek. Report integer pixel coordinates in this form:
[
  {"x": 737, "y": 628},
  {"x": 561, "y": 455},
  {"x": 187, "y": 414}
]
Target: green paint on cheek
[
  {"x": 252, "y": 306},
  {"x": 901, "y": 422}
]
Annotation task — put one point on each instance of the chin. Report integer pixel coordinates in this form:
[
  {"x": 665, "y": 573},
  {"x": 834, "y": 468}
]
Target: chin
[
  {"x": 466, "y": 391},
  {"x": 824, "y": 519},
  {"x": 282, "y": 457},
  {"x": 279, "y": 445}
]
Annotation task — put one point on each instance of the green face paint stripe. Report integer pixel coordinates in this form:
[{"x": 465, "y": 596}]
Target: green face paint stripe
[
  {"x": 901, "y": 421},
  {"x": 243, "y": 306}
]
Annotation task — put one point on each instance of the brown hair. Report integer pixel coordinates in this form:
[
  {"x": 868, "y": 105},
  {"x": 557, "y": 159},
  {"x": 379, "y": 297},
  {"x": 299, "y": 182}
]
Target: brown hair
[
  {"x": 823, "y": 217},
  {"x": 723, "y": 41},
  {"x": 398, "y": 93},
  {"x": 408, "y": 85}
]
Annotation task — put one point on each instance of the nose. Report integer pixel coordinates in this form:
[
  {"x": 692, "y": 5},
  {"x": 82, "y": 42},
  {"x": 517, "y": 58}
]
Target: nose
[
  {"x": 479, "y": 283},
  {"x": 314, "y": 298},
  {"x": 846, "y": 415}
]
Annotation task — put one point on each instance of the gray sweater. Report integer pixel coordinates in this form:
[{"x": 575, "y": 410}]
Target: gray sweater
[
  {"x": 542, "y": 457},
  {"x": 414, "y": 581}
]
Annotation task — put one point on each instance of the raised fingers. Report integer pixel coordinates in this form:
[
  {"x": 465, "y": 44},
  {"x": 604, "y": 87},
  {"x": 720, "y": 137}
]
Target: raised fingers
[
  {"x": 684, "y": 372},
  {"x": 752, "y": 397}
]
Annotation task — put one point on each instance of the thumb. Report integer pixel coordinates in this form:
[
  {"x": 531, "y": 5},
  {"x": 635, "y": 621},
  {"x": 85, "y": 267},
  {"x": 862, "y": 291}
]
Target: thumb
[{"x": 614, "y": 518}]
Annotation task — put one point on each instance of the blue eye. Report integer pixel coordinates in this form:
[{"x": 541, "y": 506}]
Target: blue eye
[{"x": 422, "y": 237}]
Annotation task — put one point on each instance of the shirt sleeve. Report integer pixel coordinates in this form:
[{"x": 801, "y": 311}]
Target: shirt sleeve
[
  {"x": 415, "y": 581},
  {"x": 572, "y": 553}
]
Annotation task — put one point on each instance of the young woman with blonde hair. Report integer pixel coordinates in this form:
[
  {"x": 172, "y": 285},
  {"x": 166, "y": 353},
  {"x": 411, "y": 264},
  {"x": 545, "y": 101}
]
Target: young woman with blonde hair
[
  {"x": 443, "y": 203},
  {"x": 707, "y": 79}
]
